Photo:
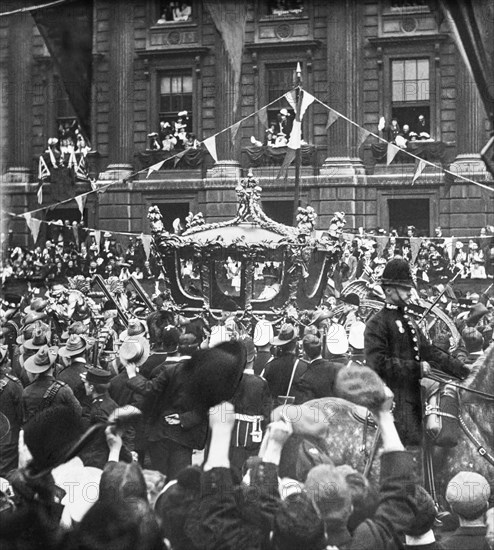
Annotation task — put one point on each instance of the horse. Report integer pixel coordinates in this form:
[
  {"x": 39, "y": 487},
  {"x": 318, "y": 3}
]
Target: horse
[{"x": 351, "y": 435}]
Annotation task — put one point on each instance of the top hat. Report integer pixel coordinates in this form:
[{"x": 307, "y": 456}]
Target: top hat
[
  {"x": 286, "y": 335},
  {"x": 42, "y": 360},
  {"x": 397, "y": 273},
  {"x": 135, "y": 328},
  {"x": 135, "y": 349},
  {"x": 75, "y": 345}
]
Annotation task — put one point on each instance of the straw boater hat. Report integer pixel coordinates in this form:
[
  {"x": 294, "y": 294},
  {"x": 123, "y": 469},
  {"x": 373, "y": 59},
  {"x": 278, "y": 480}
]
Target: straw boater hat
[
  {"x": 135, "y": 349},
  {"x": 75, "y": 345},
  {"x": 42, "y": 360}
]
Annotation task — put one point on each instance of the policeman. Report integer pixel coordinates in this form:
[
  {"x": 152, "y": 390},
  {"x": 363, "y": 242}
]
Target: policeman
[
  {"x": 45, "y": 391},
  {"x": 11, "y": 407}
]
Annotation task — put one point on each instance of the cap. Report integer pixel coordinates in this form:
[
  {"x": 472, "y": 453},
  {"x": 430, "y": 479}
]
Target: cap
[
  {"x": 98, "y": 376},
  {"x": 42, "y": 360},
  {"x": 468, "y": 494},
  {"x": 286, "y": 335}
]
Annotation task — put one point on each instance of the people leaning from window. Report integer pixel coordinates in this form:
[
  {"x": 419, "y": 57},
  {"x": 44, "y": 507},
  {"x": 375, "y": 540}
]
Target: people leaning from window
[
  {"x": 173, "y": 135},
  {"x": 401, "y": 134}
]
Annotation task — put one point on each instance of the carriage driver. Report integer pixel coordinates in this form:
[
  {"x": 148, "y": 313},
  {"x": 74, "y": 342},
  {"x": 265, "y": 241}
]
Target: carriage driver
[{"x": 400, "y": 353}]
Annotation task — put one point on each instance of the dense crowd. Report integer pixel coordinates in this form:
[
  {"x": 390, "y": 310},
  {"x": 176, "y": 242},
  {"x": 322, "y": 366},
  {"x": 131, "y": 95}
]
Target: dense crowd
[
  {"x": 194, "y": 443},
  {"x": 73, "y": 250}
]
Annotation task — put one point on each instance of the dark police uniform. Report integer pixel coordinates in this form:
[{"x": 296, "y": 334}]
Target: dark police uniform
[
  {"x": 11, "y": 407},
  {"x": 394, "y": 348}
]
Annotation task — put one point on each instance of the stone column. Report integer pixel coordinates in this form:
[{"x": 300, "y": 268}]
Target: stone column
[
  {"x": 471, "y": 121},
  {"x": 121, "y": 88},
  {"x": 19, "y": 98},
  {"x": 226, "y": 114},
  {"x": 344, "y": 50}
]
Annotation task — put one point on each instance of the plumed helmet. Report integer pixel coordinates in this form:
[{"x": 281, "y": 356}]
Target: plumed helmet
[{"x": 397, "y": 273}]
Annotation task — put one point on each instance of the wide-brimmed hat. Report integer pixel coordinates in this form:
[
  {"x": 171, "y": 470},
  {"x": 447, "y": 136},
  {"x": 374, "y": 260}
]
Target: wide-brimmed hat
[
  {"x": 32, "y": 317},
  {"x": 38, "y": 340},
  {"x": 38, "y": 305},
  {"x": 263, "y": 333},
  {"x": 397, "y": 273},
  {"x": 135, "y": 349},
  {"x": 286, "y": 335},
  {"x": 336, "y": 339},
  {"x": 75, "y": 345},
  {"x": 27, "y": 331},
  {"x": 44, "y": 358},
  {"x": 135, "y": 328}
]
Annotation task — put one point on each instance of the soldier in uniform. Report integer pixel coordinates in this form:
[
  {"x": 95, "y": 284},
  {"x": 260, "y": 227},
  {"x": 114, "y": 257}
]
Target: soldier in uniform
[
  {"x": 11, "y": 407},
  {"x": 45, "y": 391},
  {"x": 398, "y": 351},
  {"x": 74, "y": 356}
]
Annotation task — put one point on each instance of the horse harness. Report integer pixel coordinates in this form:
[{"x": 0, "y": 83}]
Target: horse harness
[{"x": 429, "y": 410}]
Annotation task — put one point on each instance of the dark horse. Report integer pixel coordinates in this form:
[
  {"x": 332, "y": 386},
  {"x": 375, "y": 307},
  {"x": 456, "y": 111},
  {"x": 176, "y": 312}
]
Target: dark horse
[{"x": 350, "y": 437}]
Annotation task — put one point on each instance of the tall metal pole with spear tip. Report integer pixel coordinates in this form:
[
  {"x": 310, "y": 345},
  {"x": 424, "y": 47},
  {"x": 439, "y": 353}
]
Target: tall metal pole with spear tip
[{"x": 296, "y": 192}]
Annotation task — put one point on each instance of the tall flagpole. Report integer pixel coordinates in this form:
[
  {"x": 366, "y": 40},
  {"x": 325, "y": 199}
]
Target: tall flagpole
[{"x": 296, "y": 192}]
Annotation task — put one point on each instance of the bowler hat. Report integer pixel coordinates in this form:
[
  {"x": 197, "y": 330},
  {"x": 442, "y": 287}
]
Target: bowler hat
[
  {"x": 468, "y": 494},
  {"x": 42, "y": 360},
  {"x": 135, "y": 349},
  {"x": 98, "y": 376},
  {"x": 286, "y": 335},
  {"x": 135, "y": 328},
  {"x": 397, "y": 273},
  {"x": 360, "y": 385},
  {"x": 75, "y": 345}
]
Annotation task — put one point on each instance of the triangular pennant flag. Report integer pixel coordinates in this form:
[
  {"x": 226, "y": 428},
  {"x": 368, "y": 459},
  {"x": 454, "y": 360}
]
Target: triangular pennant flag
[
  {"x": 420, "y": 168},
  {"x": 262, "y": 115},
  {"x": 415, "y": 244},
  {"x": 97, "y": 238},
  {"x": 449, "y": 179},
  {"x": 295, "y": 135},
  {"x": 146, "y": 244},
  {"x": 43, "y": 171},
  {"x": 382, "y": 241},
  {"x": 234, "y": 131},
  {"x": 39, "y": 194},
  {"x": 72, "y": 160},
  {"x": 81, "y": 203},
  {"x": 307, "y": 99},
  {"x": 34, "y": 225},
  {"x": 155, "y": 167},
  {"x": 81, "y": 171},
  {"x": 52, "y": 157},
  {"x": 332, "y": 118},
  {"x": 362, "y": 135},
  {"x": 210, "y": 144},
  {"x": 290, "y": 155},
  {"x": 392, "y": 151},
  {"x": 178, "y": 156},
  {"x": 291, "y": 97}
]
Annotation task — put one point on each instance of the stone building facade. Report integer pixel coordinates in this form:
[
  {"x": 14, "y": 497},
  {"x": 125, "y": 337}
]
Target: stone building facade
[{"x": 366, "y": 59}]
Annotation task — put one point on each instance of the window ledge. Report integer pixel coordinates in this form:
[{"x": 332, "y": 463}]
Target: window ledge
[
  {"x": 173, "y": 25},
  {"x": 398, "y": 40}
]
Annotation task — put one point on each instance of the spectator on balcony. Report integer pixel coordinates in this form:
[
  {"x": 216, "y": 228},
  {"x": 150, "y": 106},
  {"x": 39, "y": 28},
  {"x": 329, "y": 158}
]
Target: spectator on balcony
[
  {"x": 283, "y": 124},
  {"x": 281, "y": 140},
  {"x": 270, "y": 137},
  {"x": 169, "y": 142},
  {"x": 154, "y": 144},
  {"x": 182, "y": 11},
  {"x": 422, "y": 128},
  {"x": 476, "y": 260},
  {"x": 192, "y": 142},
  {"x": 393, "y": 130}
]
